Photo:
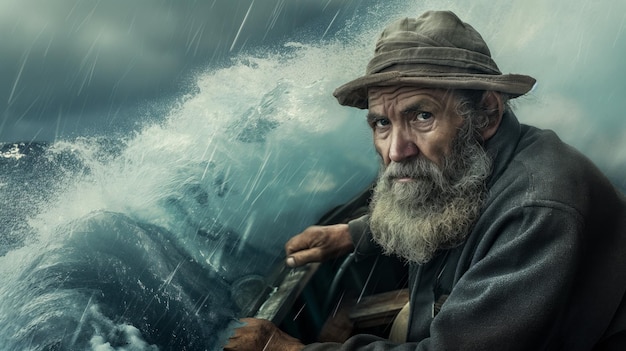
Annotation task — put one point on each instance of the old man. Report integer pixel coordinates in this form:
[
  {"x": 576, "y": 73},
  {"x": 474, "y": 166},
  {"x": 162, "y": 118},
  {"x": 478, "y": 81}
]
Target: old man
[{"x": 515, "y": 241}]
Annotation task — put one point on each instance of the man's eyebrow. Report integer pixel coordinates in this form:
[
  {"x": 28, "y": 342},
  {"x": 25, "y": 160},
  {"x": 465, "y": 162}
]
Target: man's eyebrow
[
  {"x": 426, "y": 106},
  {"x": 372, "y": 116},
  {"x": 421, "y": 105}
]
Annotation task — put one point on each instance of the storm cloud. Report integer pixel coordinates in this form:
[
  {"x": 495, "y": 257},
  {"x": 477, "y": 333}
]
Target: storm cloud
[{"x": 76, "y": 66}]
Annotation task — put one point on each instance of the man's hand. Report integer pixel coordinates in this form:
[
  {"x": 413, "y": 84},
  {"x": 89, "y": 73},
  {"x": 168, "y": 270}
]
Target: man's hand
[
  {"x": 260, "y": 334},
  {"x": 317, "y": 243}
]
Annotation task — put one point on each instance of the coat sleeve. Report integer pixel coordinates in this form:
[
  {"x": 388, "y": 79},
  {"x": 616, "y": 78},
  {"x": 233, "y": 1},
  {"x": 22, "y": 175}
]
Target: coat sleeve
[
  {"x": 514, "y": 292},
  {"x": 364, "y": 246}
]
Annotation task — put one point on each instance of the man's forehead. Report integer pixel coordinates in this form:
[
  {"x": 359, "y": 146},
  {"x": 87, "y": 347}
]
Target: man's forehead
[{"x": 380, "y": 94}]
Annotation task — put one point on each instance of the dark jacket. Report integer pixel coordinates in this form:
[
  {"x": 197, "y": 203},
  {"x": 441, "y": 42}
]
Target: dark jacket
[{"x": 544, "y": 267}]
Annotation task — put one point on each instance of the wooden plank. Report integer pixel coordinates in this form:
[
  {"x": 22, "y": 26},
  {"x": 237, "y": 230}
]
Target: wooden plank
[
  {"x": 281, "y": 300},
  {"x": 371, "y": 311},
  {"x": 378, "y": 309}
]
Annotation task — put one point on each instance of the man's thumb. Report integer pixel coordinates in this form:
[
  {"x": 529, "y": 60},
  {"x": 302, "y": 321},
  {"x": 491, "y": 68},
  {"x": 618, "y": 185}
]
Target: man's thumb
[
  {"x": 301, "y": 258},
  {"x": 291, "y": 262}
]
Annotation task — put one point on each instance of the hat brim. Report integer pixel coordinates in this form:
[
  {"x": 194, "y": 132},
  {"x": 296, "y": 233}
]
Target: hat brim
[{"x": 354, "y": 93}]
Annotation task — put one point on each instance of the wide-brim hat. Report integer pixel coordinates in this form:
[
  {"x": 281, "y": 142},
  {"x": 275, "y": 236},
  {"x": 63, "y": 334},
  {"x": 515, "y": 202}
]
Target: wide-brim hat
[{"x": 435, "y": 50}]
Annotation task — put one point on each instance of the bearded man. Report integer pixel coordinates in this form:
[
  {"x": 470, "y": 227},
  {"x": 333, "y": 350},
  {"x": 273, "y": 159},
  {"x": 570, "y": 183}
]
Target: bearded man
[{"x": 514, "y": 240}]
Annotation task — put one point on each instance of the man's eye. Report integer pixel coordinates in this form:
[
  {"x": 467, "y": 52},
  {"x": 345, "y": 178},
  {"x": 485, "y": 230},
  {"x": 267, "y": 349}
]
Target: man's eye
[
  {"x": 422, "y": 116},
  {"x": 381, "y": 123}
]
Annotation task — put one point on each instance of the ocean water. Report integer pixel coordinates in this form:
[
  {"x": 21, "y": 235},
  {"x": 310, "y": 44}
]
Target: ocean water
[
  {"x": 158, "y": 240},
  {"x": 161, "y": 239},
  {"x": 139, "y": 243}
]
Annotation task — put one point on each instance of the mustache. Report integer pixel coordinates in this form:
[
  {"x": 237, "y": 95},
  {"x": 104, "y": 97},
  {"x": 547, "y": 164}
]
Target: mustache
[{"x": 416, "y": 168}]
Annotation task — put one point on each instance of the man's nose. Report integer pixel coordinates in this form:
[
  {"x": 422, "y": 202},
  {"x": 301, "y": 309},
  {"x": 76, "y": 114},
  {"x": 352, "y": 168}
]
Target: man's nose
[{"x": 402, "y": 145}]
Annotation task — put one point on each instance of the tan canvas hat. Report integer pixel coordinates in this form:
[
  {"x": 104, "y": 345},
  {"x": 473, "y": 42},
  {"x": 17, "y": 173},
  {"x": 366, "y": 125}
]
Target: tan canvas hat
[{"x": 435, "y": 50}]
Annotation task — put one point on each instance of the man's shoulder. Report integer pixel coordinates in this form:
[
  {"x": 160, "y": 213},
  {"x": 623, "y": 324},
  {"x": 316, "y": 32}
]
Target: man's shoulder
[
  {"x": 546, "y": 170},
  {"x": 542, "y": 155}
]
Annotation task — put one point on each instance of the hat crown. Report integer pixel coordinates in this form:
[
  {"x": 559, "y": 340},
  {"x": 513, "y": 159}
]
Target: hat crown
[
  {"x": 431, "y": 29},
  {"x": 437, "y": 41}
]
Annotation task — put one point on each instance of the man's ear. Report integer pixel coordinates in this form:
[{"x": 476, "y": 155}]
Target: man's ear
[{"x": 493, "y": 105}]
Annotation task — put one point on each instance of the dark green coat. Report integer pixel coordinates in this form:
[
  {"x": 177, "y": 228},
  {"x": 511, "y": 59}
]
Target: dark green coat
[{"x": 544, "y": 267}]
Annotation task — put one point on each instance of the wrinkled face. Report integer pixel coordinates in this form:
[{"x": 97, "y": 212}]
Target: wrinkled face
[
  {"x": 432, "y": 183},
  {"x": 408, "y": 122}
]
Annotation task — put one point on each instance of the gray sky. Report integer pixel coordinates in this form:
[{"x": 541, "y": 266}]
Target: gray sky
[
  {"x": 71, "y": 67},
  {"x": 81, "y": 67}
]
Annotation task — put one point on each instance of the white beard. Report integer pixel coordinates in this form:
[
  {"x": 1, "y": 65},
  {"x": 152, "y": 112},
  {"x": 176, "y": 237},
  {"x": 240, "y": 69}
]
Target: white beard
[{"x": 435, "y": 211}]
